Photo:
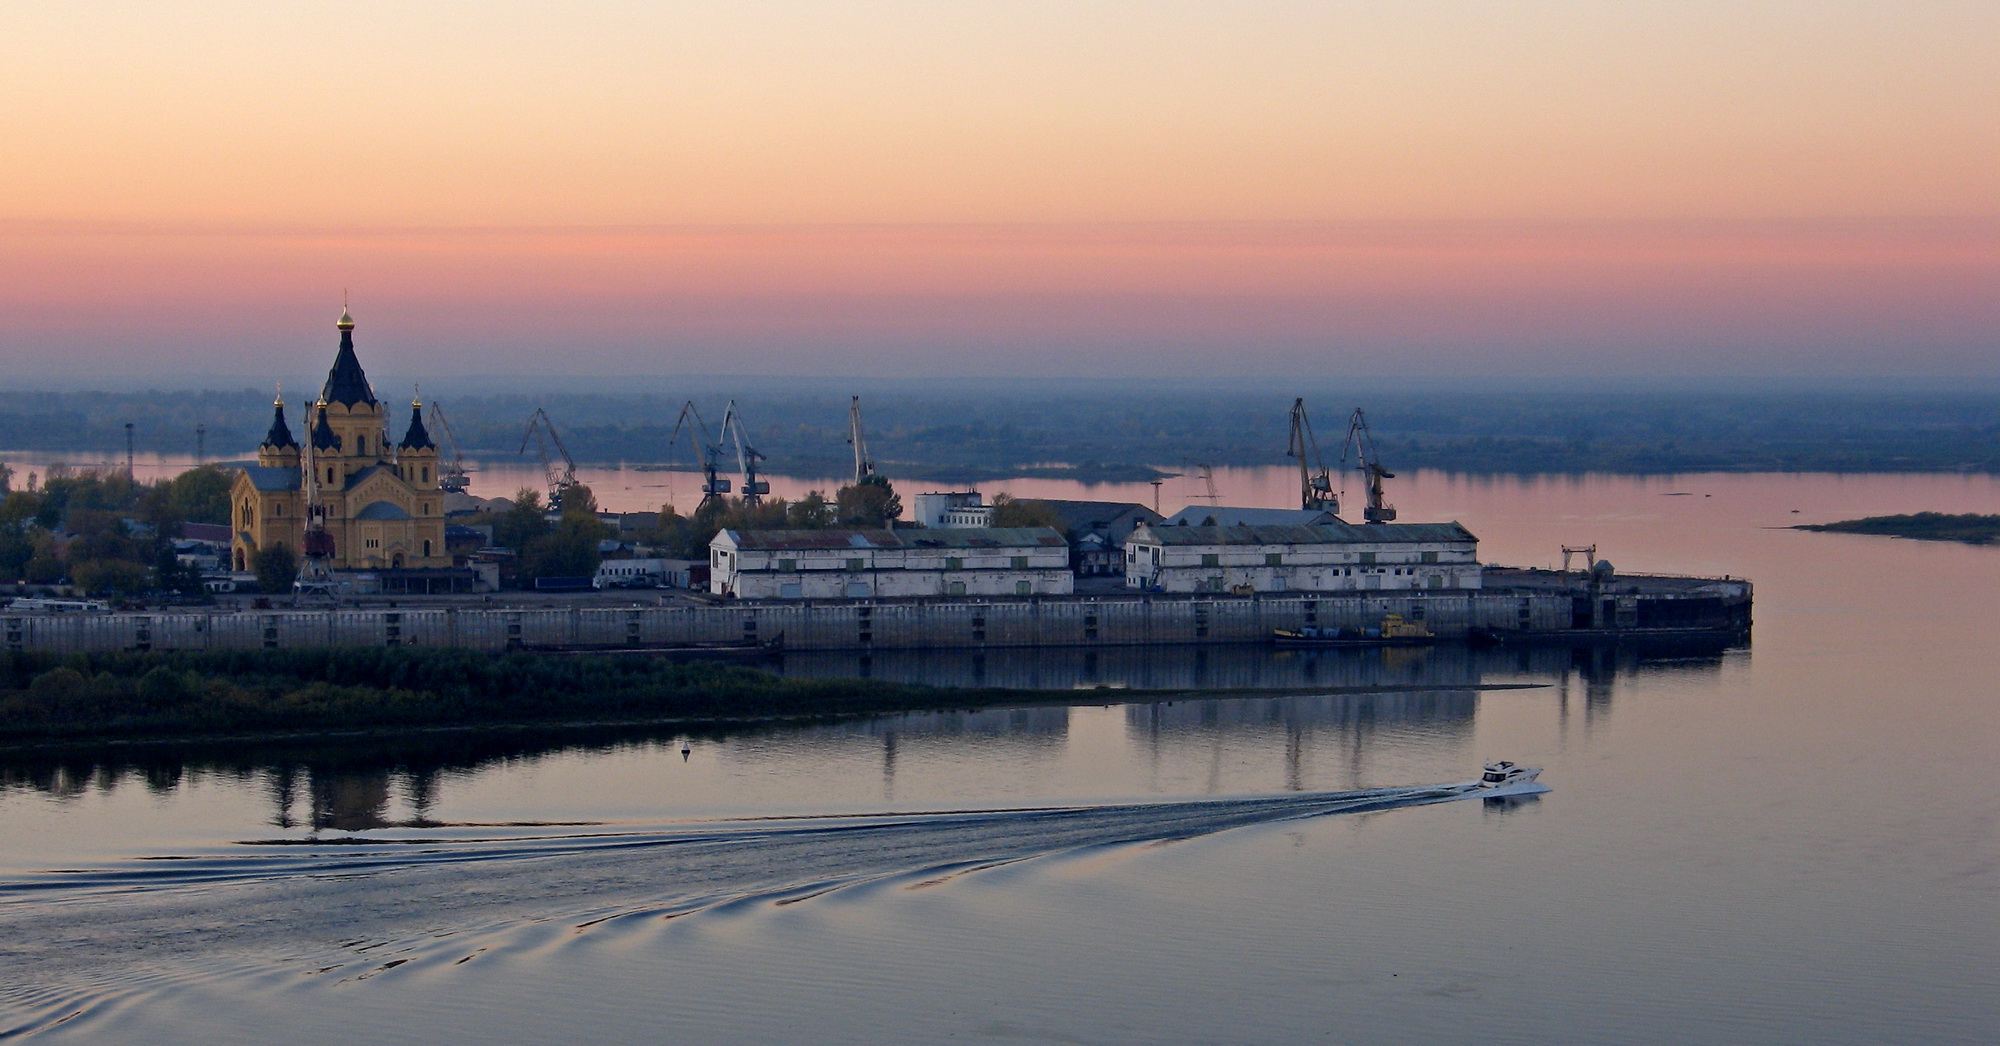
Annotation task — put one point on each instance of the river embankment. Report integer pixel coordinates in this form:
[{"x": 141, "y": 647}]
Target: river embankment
[{"x": 170, "y": 697}]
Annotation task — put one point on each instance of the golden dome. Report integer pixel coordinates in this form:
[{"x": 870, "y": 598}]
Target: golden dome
[{"x": 345, "y": 322}]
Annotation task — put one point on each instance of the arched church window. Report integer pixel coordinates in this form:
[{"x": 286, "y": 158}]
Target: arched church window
[
  {"x": 427, "y": 474},
  {"x": 329, "y": 473},
  {"x": 427, "y": 548}
]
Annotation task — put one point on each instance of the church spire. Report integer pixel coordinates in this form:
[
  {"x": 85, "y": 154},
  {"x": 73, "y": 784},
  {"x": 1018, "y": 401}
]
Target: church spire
[
  {"x": 345, "y": 383},
  {"x": 418, "y": 438},
  {"x": 323, "y": 436},
  {"x": 280, "y": 436}
]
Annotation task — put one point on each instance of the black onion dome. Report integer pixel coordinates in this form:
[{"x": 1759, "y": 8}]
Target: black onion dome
[
  {"x": 280, "y": 436},
  {"x": 322, "y": 433},
  {"x": 418, "y": 438},
  {"x": 345, "y": 383}
]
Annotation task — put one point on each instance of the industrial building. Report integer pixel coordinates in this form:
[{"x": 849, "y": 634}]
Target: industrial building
[
  {"x": 876, "y": 563},
  {"x": 1232, "y": 516},
  {"x": 951, "y": 508},
  {"x": 1325, "y": 557},
  {"x": 1097, "y": 531}
]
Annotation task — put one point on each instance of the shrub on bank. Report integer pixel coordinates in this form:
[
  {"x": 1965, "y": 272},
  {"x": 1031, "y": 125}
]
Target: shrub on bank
[{"x": 45, "y": 695}]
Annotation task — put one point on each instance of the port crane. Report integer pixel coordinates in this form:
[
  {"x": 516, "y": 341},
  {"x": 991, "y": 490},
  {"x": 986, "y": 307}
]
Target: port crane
[
  {"x": 452, "y": 471},
  {"x": 864, "y": 467},
  {"x": 747, "y": 457},
  {"x": 1315, "y": 480},
  {"x": 1362, "y": 443},
  {"x": 543, "y": 432},
  {"x": 707, "y": 452}
]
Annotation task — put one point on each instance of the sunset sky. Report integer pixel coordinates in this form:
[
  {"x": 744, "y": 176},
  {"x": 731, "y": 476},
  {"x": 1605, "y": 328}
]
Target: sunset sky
[{"x": 1159, "y": 188}]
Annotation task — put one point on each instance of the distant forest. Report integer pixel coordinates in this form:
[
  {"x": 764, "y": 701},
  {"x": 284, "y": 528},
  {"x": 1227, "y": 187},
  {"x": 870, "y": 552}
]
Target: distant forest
[{"x": 963, "y": 431}]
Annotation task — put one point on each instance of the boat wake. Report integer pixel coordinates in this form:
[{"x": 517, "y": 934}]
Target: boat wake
[{"x": 410, "y": 902}]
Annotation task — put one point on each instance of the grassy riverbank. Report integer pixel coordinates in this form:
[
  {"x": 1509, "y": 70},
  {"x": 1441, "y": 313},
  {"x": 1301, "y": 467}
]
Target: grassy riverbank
[
  {"x": 45, "y": 696},
  {"x": 1925, "y": 526}
]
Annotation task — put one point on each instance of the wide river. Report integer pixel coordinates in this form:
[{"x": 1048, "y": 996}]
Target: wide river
[{"x": 1796, "y": 841}]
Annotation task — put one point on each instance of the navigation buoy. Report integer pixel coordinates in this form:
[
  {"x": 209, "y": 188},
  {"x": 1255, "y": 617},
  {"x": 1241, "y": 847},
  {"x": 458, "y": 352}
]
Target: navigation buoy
[{"x": 686, "y": 750}]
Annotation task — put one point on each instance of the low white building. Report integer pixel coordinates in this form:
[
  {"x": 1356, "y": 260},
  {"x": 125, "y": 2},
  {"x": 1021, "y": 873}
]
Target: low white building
[
  {"x": 1327, "y": 557},
  {"x": 952, "y": 508},
  {"x": 875, "y": 563},
  {"x": 635, "y": 573}
]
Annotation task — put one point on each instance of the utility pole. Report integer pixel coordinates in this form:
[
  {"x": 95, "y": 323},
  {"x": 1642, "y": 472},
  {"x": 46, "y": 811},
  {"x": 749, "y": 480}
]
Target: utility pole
[
  {"x": 128, "y": 450},
  {"x": 200, "y": 444}
]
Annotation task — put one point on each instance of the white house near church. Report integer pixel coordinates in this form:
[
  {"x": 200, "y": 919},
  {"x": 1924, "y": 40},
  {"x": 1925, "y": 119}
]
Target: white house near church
[
  {"x": 875, "y": 563},
  {"x": 1327, "y": 557}
]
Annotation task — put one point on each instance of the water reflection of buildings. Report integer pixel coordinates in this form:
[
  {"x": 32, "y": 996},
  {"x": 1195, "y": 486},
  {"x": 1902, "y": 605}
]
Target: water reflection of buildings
[
  {"x": 1174, "y": 729},
  {"x": 1252, "y": 667},
  {"x": 357, "y": 785}
]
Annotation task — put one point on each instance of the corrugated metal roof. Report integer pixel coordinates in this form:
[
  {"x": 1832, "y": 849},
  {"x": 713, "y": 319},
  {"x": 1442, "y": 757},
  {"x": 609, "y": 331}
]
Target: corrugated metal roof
[
  {"x": 1319, "y": 534},
  {"x": 982, "y": 537},
  {"x": 1094, "y": 515},
  {"x": 948, "y": 537},
  {"x": 1228, "y": 516}
]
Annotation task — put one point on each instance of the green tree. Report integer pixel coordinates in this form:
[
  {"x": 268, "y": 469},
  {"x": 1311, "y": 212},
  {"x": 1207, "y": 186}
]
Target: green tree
[
  {"x": 111, "y": 577},
  {"x": 869, "y": 503},
  {"x": 523, "y": 523},
  {"x": 172, "y": 575},
  {"x": 277, "y": 567},
  {"x": 1009, "y": 511},
  {"x": 812, "y": 512},
  {"x": 44, "y": 566},
  {"x": 571, "y": 548},
  {"x": 199, "y": 495}
]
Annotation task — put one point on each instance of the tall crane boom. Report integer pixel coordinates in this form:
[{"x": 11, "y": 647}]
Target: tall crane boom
[
  {"x": 1362, "y": 443},
  {"x": 452, "y": 473},
  {"x": 1315, "y": 480},
  {"x": 543, "y": 432},
  {"x": 747, "y": 457},
  {"x": 863, "y": 466},
  {"x": 707, "y": 453}
]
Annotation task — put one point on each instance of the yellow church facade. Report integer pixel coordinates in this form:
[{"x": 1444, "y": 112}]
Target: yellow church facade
[{"x": 381, "y": 507}]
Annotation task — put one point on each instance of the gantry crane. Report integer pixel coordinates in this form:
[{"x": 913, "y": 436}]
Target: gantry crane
[
  {"x": 1315, "y": 480},
  {"x": 863, "y": 466},
  {"x": 451, "y": 472},
  {"x": 707, "y": 452},
  {"x": 543, "y": 432},
  {"x": 1362, "y": 443},
  {"x": 747, "y": 457}
]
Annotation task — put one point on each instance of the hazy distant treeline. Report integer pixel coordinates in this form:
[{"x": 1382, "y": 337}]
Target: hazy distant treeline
[{"x": 968, "y": 432}]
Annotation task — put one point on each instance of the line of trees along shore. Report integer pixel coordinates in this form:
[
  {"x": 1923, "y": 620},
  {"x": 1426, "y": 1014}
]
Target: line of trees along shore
[
  {"x": 45, "y": 696},
  {"x": 946, "y": 432}
]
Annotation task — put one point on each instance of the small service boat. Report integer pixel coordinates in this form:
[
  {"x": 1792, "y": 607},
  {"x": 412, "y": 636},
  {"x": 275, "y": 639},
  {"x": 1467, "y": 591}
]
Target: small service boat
[{"x": 1507, "y": 772}]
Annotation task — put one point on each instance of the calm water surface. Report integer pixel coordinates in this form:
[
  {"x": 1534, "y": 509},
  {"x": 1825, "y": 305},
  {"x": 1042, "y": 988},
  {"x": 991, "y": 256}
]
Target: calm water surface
[{"x": 1794, "y": 842}]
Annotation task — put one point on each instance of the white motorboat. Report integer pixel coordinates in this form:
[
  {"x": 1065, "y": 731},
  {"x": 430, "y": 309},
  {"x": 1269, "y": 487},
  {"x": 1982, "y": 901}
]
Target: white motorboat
[{"x": 1507, "y": 772}]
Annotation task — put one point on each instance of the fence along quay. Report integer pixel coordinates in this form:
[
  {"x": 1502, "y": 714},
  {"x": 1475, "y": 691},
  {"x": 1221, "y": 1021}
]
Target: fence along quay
[{"x": 1517, "y": 605}]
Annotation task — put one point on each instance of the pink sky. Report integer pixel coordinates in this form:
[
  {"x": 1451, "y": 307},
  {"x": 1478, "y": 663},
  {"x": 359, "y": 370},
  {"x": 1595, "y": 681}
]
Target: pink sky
[{"x": 976, "y": 188}]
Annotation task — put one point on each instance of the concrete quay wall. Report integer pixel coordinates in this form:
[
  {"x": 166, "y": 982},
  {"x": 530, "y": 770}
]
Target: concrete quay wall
[{"x": 1083, "y": 621}]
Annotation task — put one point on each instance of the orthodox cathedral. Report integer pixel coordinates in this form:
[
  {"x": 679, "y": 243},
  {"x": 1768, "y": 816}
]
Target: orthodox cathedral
[{"x": 380, "y": 504}]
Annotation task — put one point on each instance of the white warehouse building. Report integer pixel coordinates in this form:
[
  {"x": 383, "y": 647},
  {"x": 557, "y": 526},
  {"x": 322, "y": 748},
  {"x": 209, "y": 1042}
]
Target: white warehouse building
[
  {"x": 875, "y": 563},
  {"x": 1328, "y": 557}
]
